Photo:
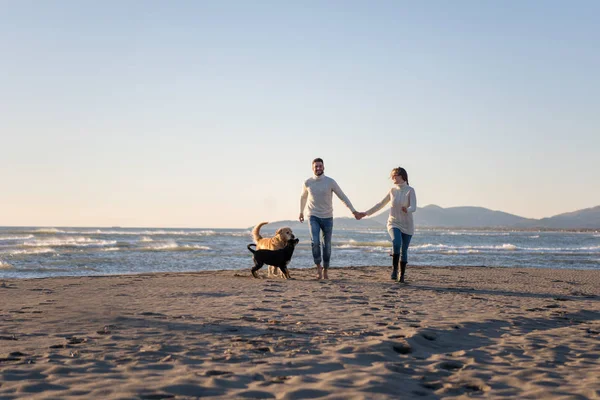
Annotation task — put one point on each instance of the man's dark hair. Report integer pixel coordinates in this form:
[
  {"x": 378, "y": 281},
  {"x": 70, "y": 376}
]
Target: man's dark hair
[{"x": 318, "y": 160}]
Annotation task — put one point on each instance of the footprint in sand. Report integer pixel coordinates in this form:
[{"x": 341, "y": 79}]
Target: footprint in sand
[
  {"x": 306, "y": 394},
  {"x": 402, "y": 348},
  {"x": 451, "y": 365},
  {"x": 46, "y": 291},
  {"x": 104, "y": 331},
  {"x": 156, "y": 396},
  {"x": 75, "y": 340},
  {"x": 429, "y": 336},
  {"x": 255, "y": 394},
  {"x": 14, "y": 356},
  {"x": 271, "y": 290},
  {"x": 261, "y": 309},
  {"x": 214, "y": 372},
  {"x": 553, "y": 306},
  {"x": 401, "y": 368}
]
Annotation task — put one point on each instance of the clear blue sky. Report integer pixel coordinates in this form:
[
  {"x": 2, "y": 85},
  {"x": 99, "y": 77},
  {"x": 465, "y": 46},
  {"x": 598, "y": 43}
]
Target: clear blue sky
[{"x": 208, "y": 113}]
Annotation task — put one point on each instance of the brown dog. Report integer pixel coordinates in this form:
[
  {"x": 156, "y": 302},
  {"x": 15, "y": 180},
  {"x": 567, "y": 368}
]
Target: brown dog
[
  {"x": 273, "y": 258},
  {"x": 279, "y": 241}
]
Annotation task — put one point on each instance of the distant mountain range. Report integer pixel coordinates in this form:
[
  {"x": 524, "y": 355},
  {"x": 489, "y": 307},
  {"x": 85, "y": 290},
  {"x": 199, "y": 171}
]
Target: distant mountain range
[{"x": 433, "y": 216}]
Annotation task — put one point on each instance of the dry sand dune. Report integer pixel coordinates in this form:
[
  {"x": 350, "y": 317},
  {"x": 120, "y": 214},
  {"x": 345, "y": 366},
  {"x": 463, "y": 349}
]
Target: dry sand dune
[{"x": 450, "y": 333}]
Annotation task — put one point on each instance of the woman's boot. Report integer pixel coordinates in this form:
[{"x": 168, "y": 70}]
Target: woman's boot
[
  {"x": 395, "y": 259},
  {"x": 402, "y": 271}
]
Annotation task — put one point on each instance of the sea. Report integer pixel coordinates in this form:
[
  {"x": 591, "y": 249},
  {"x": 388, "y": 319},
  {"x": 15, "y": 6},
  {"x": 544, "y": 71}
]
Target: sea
[{"x": 39, "y": 252}]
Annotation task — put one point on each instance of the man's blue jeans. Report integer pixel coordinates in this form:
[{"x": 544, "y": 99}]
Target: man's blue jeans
[
  {"x": 321, "y": 229},
  {"x": 400, "y": 242}
]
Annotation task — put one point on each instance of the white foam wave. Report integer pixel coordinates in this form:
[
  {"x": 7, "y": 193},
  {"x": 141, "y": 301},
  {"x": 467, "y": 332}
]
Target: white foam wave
[
  {"x": 48, "y": 230},
  {"x": 455, "y": 251},
  {"x": 240, "y": 234},
  {"x": 19, "y": 237},
  {"x": 356, "y": 244},
  {"x": 69, "y": 241},
  {"x": 5, "y": 265},
  {"x": 462, "y": 233},
  {"x": 430, "y": 247},
  {"x": 378, "y": 232},
  {"x": 146, "y": 239},
  {"x": 506, "y": 246},
  {"x": 156, "y": 232},
  {"x": 38, "y": 250},
  {"x": 171, "y": 245}
]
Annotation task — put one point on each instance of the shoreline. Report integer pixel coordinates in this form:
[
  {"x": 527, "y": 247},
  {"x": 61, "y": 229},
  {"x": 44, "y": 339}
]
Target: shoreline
[
  {"x": 451, "y": 332},
  {"x": 240, "y": 272}
]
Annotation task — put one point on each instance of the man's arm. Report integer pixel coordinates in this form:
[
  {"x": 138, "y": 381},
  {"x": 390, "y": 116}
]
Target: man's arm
[
  {"x": 340, "y": 194},
  {"x": 303, "y": 198}
]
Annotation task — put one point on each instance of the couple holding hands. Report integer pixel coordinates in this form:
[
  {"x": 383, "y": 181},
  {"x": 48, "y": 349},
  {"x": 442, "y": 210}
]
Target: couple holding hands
[{"x": 317, "y": 193}]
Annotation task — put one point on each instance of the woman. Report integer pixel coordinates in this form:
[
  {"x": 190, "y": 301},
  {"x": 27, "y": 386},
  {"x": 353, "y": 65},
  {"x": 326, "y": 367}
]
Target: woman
[{"x": 400, "y": 223}]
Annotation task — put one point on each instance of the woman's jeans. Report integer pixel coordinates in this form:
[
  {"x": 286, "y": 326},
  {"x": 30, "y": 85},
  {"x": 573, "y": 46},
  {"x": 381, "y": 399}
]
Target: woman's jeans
[
  {"x": 399, "y": 241},
  {"x": 321, "y": 228}
]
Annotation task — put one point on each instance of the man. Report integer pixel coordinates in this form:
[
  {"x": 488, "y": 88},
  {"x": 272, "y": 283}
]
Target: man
[{"x": 318, "y": 191}]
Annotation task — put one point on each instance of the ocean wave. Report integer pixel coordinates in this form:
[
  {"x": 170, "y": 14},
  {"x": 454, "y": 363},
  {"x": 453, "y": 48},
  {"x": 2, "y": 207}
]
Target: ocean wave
[
  {"x": 19, "y": 237},
  {"x": 69, "y": 242},
  {"x": 356, "y": 244},
  {"x": 38, "y": 250},
  {"x": 158, "y": 232},
  {"x": 173, "y": 246},
  {"x": 44, "y": 269},
  {"x": 430, "y": 247},
  {"x": 460, "y": 233},
  {"x": 377, "y": 231},
  {"x": 47, "y": 231},
  {"x": 470, "y": 251},
  {"x": 5, "y": 265},
  {"x": 444, "y": 247}
]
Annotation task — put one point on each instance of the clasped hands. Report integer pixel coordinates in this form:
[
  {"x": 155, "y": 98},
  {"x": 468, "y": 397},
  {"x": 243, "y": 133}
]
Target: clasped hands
[{"x": 359, "y": 215}]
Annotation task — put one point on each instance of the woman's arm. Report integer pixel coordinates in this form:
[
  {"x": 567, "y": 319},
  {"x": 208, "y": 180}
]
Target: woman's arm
[
  {"x": 412, "y": 199},
  {"x": 379, "y": 205}
]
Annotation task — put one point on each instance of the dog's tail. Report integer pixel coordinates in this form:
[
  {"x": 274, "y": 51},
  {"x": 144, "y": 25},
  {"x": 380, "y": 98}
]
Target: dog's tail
[
  {"x": 251, "y": 244},
  {"x": 256, "y": 232}
]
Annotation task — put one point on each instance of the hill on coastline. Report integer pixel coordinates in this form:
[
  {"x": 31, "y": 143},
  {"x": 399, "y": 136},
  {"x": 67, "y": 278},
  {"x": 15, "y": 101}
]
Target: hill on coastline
[{"x": 433, "y": 216}]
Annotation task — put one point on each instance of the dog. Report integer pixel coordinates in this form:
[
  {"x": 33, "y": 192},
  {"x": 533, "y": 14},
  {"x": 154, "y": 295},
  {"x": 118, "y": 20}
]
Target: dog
[
  {"x": 279, "y": 241},
  {"x": 276, "y": 258}
]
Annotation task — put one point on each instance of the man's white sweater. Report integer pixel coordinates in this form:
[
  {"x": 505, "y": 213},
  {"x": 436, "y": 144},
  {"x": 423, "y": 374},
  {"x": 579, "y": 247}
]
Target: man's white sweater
[{"x": 318, "y": 192}]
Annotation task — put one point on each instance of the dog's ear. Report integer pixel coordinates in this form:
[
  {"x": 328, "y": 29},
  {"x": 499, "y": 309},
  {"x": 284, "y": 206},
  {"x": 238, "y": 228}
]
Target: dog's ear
[{"x": 279, "y": 231}]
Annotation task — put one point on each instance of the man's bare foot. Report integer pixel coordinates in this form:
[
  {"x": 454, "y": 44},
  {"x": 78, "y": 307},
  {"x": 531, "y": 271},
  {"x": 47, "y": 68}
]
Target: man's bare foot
[
  {"x": 319, "y": 272},
  {"x": 325, "y": 276}
]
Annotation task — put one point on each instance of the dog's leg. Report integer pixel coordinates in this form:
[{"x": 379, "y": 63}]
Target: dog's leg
[
  {"x": 284, "y": 272},
  {"x": 257, "y": 265}
]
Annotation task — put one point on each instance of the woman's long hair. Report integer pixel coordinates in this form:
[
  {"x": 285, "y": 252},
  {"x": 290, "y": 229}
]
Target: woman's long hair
[{"x": 402, "y": 172}]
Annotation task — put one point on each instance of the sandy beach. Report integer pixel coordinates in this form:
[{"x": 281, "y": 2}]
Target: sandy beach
[{"x": 455, "y": 332}]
